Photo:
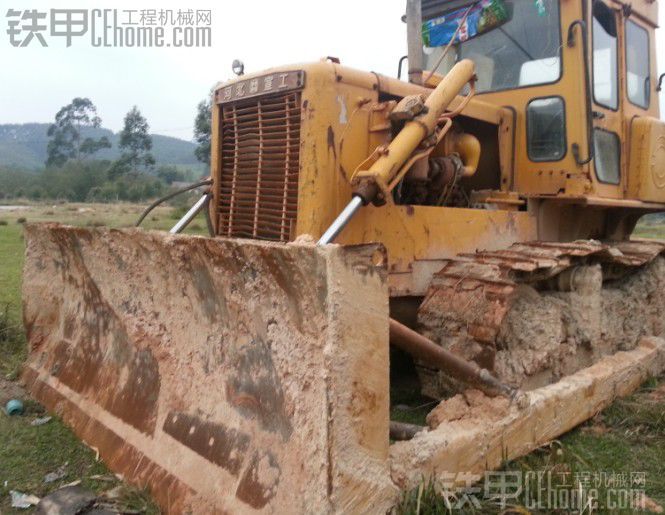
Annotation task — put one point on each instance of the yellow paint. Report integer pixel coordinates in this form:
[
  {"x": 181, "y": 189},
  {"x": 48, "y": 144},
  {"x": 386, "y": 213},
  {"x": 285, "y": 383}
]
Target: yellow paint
[
  {"x": 467, "y": 146},
  {"x": 647, "y": 160},
  {"x": 385, "y": 169},
  {"x": 345, "y": 119},
  {"x": 418, "y": 237}
]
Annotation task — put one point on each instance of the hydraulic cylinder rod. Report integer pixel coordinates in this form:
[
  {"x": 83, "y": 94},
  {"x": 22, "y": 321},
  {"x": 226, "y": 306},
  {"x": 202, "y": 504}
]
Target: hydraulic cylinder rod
[
  {"x": 343, "y": 218},
  {"x": 189, "y": 215}
]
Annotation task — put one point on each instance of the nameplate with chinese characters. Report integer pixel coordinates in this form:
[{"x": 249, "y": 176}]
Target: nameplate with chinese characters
[{"x": 277, "y": 82}]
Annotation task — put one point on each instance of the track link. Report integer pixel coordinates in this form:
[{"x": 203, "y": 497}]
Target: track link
[{"x": 471, "y": 295}]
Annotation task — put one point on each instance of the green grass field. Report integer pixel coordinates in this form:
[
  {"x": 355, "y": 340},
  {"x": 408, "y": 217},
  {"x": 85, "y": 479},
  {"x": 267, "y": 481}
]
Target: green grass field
[
  {"x": 623, "y": 444},
  {"x": 628, "y": 437},
  {"x": 651, "y": 228},
  {"x": 28, "y": 453}
]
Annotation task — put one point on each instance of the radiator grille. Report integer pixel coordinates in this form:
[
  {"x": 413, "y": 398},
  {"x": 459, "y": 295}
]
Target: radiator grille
[{"x": 260, "y": 159}]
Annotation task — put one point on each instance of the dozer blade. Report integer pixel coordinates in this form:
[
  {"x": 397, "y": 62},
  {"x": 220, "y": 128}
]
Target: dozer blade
[{"x": 224, "y": 375}]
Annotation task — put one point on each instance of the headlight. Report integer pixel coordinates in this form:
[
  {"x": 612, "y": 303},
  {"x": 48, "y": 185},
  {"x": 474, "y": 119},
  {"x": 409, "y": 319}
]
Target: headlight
[{"x": 238, "y": 67}]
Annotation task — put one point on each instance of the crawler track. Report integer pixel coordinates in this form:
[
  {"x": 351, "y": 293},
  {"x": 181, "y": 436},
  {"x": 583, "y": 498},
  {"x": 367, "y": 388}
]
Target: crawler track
[{"x": 472, "y": 294}]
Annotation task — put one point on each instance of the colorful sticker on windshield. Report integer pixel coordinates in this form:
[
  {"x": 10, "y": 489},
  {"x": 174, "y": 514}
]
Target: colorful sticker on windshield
[{"x": 484, "y": 15}]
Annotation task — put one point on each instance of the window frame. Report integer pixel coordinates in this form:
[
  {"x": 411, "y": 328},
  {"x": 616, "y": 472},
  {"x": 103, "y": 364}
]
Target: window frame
[
  {"x": 616, "y": 67},
  {"x": 565, "y": 130},
  {"x": 646, "y": 31}
]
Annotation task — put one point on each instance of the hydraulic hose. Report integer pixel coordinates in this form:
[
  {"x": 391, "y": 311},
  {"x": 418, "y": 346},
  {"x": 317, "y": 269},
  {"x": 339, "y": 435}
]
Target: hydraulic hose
[{"x": 206, "y": 182}]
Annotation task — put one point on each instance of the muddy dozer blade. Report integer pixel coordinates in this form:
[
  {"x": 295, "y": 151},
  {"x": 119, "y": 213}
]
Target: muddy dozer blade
[{"x": 224, "y": 375}]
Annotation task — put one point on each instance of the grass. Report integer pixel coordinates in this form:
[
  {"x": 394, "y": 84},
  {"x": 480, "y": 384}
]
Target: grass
[
  {"x": 12, "y": 345},
  {"x": 651, "y": 226},
  {"x": 619, "y": 444},
  {"x": 28, "y": 453},
  {"x": 11, "y": 263},
  {"x": 645, "y": 231}
]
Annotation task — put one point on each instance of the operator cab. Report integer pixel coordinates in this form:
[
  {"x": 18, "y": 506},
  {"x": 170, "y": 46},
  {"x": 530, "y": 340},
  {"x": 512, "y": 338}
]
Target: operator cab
[{"x": 557, "y": 67}]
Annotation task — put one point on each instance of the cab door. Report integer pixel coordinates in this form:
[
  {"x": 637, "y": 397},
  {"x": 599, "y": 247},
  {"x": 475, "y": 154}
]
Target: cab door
[{"x": 608, "y": 164}]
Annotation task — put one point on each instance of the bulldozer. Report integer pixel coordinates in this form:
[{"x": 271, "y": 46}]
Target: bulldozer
[{"x": 464, "y": 234}]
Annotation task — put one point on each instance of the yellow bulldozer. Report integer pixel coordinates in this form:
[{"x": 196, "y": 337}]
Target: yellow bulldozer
[{"x": 465, "y": 235}]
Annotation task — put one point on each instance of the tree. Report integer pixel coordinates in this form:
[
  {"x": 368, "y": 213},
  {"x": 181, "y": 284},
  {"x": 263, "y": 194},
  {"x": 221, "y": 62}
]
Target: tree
[
  {"x": 202, "y": 130},
  {"x": 65, "y": 133},
  {"x": 89, "y": 146},
  {"x": 170, "y": 174},
  {"x": 135, "y": 142}
]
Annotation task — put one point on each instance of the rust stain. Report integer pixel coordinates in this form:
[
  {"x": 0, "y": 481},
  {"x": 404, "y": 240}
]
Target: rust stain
[
  {"x": 256, "y": 390},
  {"x": 96, "y": 357},
  {"x": 240, "y": 399},
  {"x": 169, "y": 491},
  {"x": 215, "y": 442},
  {"x": 260, "y": 481},
  {"x": 342, "y": 171},
  {"x": 331, "y": 141}
]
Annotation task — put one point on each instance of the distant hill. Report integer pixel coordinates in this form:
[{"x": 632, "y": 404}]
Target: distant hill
[{"x": 24, "y": 146}]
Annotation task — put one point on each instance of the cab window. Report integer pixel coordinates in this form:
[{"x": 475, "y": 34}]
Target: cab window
[
  {"x": 546, "y": 129},
  {"x": 605, "y": 78},
  {"x": 513, "y": 43},
  {"x": 608, "y": 156},
  {"x": 638, "y": 85}
]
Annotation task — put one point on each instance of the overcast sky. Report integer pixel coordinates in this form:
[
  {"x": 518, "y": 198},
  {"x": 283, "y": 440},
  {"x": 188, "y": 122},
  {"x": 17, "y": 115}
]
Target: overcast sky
[{"x": 167, "y": 83}]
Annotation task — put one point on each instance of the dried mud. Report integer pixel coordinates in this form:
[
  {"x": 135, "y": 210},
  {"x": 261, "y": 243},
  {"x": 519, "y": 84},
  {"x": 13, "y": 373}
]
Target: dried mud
[{"x": 548, "y": 334}]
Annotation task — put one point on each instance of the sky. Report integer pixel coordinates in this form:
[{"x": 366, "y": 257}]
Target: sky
[{"x": 167, "y": 83}]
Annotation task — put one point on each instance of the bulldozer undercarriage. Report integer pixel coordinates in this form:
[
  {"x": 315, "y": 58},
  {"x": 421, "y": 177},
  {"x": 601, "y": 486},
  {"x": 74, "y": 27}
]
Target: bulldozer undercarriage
[
  {"x": 238, "y": 375},
  {"x": 538, "y": 311}
]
